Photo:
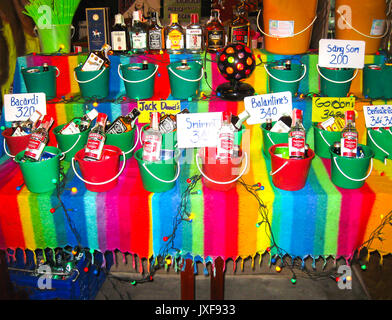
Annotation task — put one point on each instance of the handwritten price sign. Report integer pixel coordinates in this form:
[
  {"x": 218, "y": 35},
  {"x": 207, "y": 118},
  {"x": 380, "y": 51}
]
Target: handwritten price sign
[
  {"x": 161, "y": 106},
  {"x": 378, "y": 116},
  {"x": 324, "y": 108},
  {"x": 341, "y": 53},
  {"x": 19, "y": 107}
]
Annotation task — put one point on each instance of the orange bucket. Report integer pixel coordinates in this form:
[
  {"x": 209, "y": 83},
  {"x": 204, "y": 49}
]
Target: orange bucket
[
  {"x": 288, "y": 25},
  {"x": 361, "y": 20}
]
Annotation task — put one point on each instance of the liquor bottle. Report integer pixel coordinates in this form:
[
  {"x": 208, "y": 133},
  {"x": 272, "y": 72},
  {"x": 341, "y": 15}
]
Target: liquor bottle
[
  {"x": 124, "y": 123},
  {"x": 282, "y": 125},
  {"x": 97, "y": 59},
  {"x": 119, "y": 35},
  {"x": 156, "y": 41},
  {"x": 194, "y": 35},
  {"x": 26, "y": 127},
  {"x": 138, "y": 34},
  {"x": 145, "y": 65},
  {"x": 287, "y": 65},
  {"x": 239, "y": 28},
  {"x": 96, "y": 139},
  {"x": 79, "y": 124},
  {"x": 174, "y": 36},
  {"x": 349, "y": 136},
  {"x": 268, "y": 124},
  {"x": 152, "y": 144},
  {"x": 237, "y": 121},
  {"x": 297, "y": 135},
  {"x": 225, "y": 145},
  {"x": 38, "y": 140},
  {"x": 45, "y": 67},
  {"x": 214, "y": 33},
  {"x": 168, "y": 122}
]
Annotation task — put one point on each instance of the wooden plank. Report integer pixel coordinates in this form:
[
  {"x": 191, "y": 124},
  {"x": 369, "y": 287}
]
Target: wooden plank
[
  {"x": 217, "y": 282},
  {"x": 188, "y": 281}
]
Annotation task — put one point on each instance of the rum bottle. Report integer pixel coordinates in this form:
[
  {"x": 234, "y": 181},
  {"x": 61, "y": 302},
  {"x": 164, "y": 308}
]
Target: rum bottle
[
  {"x": 297, "y": 135},
  {"x": 174, "y": 36},
  {"x": 119, "y": 35},
  {"x": 152, "y": 144},
  {"x": 138, "y": 34},
  {"x": 96, "y": 139},
  {"x": 349, "y": 136},
  {"x": 156, "y": 41},
  {"x": 124, "y": 123},
  {"x": 194, "y": 35},
  {"x": 225, "y": 145},
  {"x": 239, "y": 28},
  {"x": 214, "y": 33}
]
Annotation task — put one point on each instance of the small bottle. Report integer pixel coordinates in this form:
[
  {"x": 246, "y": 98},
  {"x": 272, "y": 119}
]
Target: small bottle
[
  {"x": 225, "y": 145},
  {"x": 96, "y": 139},
  {"x": 45, "y": 67},
  {"x": 349, "y": 136},
  {"x": 194, "y": 35},
  {"x": 38, "y": 140},
  {"x": 138, "y": 34},
  {"x": 156, "y": 41},
  {"x": 97, "y": 59},
  {"x": 168, "y": 122},
  {"x": 145, "y": 65},
  {"x": 237, "y": 121},
  {"x": 26, "y": 127},
  {"x": 297, "y": 135},
  {"x": 124, "y": 123},
  {"x": 287, "y": 65},
  {"x": 79, "y": 124},
  {"x": 184, "y": 65},
  {"x": 174, "y": 36},
  {"x": 119, "y": 35},
  {"x": 268, "y": 124},
  {"x": 239, "y": 28},
  {"x": 152, "y": 144},
  {"x": 214, "y": 33}
]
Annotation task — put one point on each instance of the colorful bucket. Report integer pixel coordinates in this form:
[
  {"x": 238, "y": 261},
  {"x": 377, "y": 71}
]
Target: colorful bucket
[
  {"x": 139, "y": 84},
  {"x": 380, "y": 142},
  {"x": 281, "y": 80},
  {"x": 185, "y": 83},
  {"x": 93, "y": 84},
  {"x": 323, "y": 139},
  {"x": 335, "y": 82},
  {"x": 40, "y": 176},
  {"x": 102, "y": 175},
  {"x": 169, "y": 140},
  {"x": 160, "y": 176},
  {"x": 69, "y": 144},
  {"x": 351, "y": 173},
  {"x": 125, "y": 141},
  {"x": 14, "y": 144},
  {"x": 55, "y": 37},
  {"x": 271, "y": 138},
  {"x": 289, "y": 174},
  {"x": 41, "y": 81}
]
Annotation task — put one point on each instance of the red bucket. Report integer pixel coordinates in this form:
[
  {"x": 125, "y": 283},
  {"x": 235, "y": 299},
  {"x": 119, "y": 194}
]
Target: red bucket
[
  {"x": 220, "y": 175},
  {"x": 15, "y": 144},
  {"x": 102, "y": 175},
  {"x": 289, "y": 174}
]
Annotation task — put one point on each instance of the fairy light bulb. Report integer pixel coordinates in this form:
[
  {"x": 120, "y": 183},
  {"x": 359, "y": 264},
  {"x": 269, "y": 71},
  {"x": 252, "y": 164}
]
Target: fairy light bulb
[
  {"x": 95, "y": 104},
  {"x": 85, "y": 269},
  {"x": 278, "y": 269},
  {"x": 293, "y": 280},
  {"x": 165, "y": 239},
  {"x": 74, "y": 190}
]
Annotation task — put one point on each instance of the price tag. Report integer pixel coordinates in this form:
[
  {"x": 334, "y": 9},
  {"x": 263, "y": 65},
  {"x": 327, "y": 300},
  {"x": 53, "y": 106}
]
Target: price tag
[
  {"x": 378, "y": 116},
  {"x": 196, "y": 130},
  {"x": 264, "y": 106},
  {"x": 341, "y": 53},
  {"x": 324, "y": 108},
  {"x": 161, "y": 106},
  {"x": 20, "y": 106}
]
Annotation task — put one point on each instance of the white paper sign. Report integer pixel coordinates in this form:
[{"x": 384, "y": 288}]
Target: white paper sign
[
  {"x": 196, "y": 130},
  {"x": 264, "y": 106},
  {"x": 19, "y": 107},
  {"x": 378, "y": 116},
  {"x": 341, "y": 53}
]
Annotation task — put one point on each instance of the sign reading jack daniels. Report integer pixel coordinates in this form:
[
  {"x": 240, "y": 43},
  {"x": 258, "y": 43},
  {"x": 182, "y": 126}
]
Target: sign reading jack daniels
[{"x": 183, "y": 8}]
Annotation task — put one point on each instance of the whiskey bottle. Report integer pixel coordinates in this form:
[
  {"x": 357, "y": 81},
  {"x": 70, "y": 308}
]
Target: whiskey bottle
[
  {"x": 124, "y": 123},
  {"x": 239, "y": 28},
  {"x": 214, "y": 33},
  {"x": 174, "y": 36},
  {"x": 156, "y": 41},
  {"x": 349, "y": 136},
  {"x": 96, "y": 139},
  {"x": 194, "y": 35},
  {"x": 97, "y": 59},
  {"x": 119, "y": 35},
  {"x": 297, "y": 135},
  {"x": 138, "y": 34}
]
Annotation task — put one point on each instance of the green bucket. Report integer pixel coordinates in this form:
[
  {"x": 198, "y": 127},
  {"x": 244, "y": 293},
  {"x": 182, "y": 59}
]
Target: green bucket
[
  {"x": 323, "y": 139},
  {"x": 54, "y": 37},
  {"x": 185, "y": 83},
  {"x": 351, "y": 173},
  {"x": 380, "y": 142},
  {"x": 41, "y": 81},
  {"x": 377, "y": 81},
  {"x": 285, "y": 80},
  {"x": 93, "y": 84},
  {"x": 169, "y": 140},
  {"x": 158, "y": 176},
  {"x": 69, "y": 144},
  {"x": 139, "y": 84},
  {"x": 335, "y": 83},
  {"x": 125, "y": 141},
  {"x": 39, "y": 176},
  {"x": 272, "y": 138}
]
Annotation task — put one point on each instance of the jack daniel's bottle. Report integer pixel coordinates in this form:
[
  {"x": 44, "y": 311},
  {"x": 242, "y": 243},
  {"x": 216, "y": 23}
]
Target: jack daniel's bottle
[{"x": 155, "y": 34}]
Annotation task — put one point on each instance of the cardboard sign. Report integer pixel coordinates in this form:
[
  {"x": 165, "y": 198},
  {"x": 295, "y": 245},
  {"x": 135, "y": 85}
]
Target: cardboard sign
[
  {"x": 341, "y": 53},
  {"x": 161, "y": 106},
  {"x": 19, "y": 107},
  {"x": 196, "y": 130},
  {"x": 378, "y": 116},
  {"x": 324, "y": 108},
  {"x": 264, "y": 106}
]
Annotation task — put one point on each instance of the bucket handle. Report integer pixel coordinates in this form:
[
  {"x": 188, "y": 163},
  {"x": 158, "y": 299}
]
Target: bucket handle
[
  {"x": 87, "y": 81},
  {"x": 269, "y": 137},
  {"x": 73, "y": 146},
  {"x": 159, "y": 179},
  {"x": 352, "y": 179},
  {"x": 189, "y": 80},
  {"x": 137, "y": 81},
  {"x": 279, "y": 37},
  {"x": 5, "y": 150},
  {"x": 387, "y": 153},
  {"x": 73, "y": 30},
  {"x": 137, "y": 140},
  {"x": 276, "y": 171},
  {"x": 359, "y": 32},
  {"x": 286, "y": 81},
  {"x": 220, "y": 182},
  {"x": 334, "y": 81},
  {"x": 99, "y": 183},
  {"x": 325, "y": 140}
]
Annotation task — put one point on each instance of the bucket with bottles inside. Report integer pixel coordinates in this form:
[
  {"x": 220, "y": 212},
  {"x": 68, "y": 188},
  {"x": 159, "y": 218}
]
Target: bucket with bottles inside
[
  {"x": 326, "y": 133},
  {"x": 336, "y": 82},
  {"x": 275, "y": 132},
  {"x": 380, "y": 141},
  {"x": 41, "y": 79}
]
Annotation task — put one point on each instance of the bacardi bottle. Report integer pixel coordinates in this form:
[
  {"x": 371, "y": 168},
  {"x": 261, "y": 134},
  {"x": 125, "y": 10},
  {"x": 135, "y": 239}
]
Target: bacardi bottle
[
  {"x": 96, "y": 139},
  {"x": 156, "y": 41},
  {"x": 152, "y": 144},
  {"x": 124, "y": 123},
  {"x": 297, "y": 135},
  {"x": 214, "y": 33},
  {"x": 138, "y": 34},
  {"x": 194, "y": 35},
  {"x": 174, "y": 36},
  {"x": 225, "y": 145},
  {"x": 79, "y": 124},
  {"x": 239, "y": 28},
  {"x": 119, "y": 35},
  {"x": 349, "y": 136}
]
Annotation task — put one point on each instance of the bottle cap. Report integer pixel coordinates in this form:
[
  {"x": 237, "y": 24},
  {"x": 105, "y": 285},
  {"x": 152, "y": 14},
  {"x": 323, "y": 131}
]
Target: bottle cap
[
  {"x": 135, "y": 15},
  {"x": 92, "y": 114},
  {"x": 119, "y": 18},
  {"x": 101, "y": 118},
  {"x": 226, "y": 116},
  {"x": 194, "y": 18},
  {"x": 298, "y": 114},
  {"x": 350, "y": 115}
]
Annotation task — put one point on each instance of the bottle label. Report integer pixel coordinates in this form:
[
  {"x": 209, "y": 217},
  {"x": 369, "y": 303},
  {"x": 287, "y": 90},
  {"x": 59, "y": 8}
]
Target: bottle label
[
  {"x": 94, "y": 146},
  {"x": 155, "y": 40},
  {"x": 93, "y": 63},
  {"x": 215, "y": 39},
  {"x": 193, "y": 39},
  {"x": 225, "y": 147},
  {"x": 139, "y": 40},
  {"x": 349, "y": 143},
  {"x": 119, "y": 40},
  {"x": 175, "y": 40},
  {"x": 152, "y": 148},
  {"x": 117, "y": 127},
  {"x": 167, "y": 125},
  {"x": 70, "y": 128},
  {"x": 297, "y": 144},
  {"x": 36, "y": 146},
  {"x": 240, "y": 34}
]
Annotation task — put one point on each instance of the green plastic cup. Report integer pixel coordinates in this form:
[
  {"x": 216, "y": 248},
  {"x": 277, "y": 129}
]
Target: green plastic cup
[
  {"x": 54, "y": 37},
  {"x": 158, "y": 176},
  {"x": 281, "y": 80},
  {"x": 125, "y": 141},
  {"x": 37, "y": 80},
  {"x": 380, "y": 142},
  {"x": 351, "y": 173},
  {"x": 185, "y": 83},
  {"x": 323, "y": 139},
  {"x": 272, "y": 138},
  {"x": 39, "y": 176},
  {"x": 93, "y": 84},
  {"x": 335, "y": 82},
  {"x": 69, "y": 144},
  {"x": 139, "y": 83}
]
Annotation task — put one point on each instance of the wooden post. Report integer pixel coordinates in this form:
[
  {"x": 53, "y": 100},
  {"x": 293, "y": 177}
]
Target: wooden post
[
  {"x": 217, "y": 281},
  {"x": 188, "y": 281}
]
